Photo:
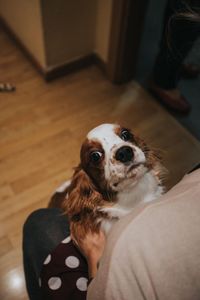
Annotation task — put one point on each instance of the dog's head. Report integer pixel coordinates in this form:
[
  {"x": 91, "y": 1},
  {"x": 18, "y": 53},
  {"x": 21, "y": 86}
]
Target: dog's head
[{"x": 113, "y": 159}]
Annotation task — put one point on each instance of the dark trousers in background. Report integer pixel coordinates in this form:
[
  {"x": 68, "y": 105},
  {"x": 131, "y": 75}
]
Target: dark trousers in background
[{"x": 178, "y": 37}]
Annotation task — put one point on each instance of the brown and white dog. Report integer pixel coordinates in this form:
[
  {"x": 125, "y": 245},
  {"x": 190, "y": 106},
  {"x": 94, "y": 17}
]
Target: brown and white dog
[{"x": 117, "y": 170}]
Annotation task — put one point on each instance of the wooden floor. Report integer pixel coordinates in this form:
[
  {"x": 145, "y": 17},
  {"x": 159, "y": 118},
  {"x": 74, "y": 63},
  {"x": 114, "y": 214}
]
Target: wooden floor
[{"x": 41, "y": 129}]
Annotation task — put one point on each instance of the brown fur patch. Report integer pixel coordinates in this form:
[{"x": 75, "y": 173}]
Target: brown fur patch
[
  {"x": 153, "y": 158},
  {"x": 119, "y": 129},
  {"x": 87, "y": 148},
  {"x": 58, "y": 199},
  {"x": 95, "y": 170},
  {"x": 82, "y": 204}
]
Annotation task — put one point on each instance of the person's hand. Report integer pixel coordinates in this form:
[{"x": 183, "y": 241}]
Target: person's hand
[{"x": 92, "y": 246}]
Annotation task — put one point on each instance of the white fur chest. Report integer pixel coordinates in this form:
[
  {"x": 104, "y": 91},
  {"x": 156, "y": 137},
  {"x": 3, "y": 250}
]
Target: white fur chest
[{"x": 145, "y": 190}]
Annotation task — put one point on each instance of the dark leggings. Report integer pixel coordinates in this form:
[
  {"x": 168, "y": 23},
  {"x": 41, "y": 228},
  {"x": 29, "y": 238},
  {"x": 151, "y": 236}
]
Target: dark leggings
[
  {"x": 177, "y": 40},
  {"x": 43, "y": 231}
]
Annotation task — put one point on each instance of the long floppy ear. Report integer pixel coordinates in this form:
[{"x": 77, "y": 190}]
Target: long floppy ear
[
  {"x": 153, "y": 155},
  {"x": 82, "y": 198},
  {"x": 154, "y": 158}
]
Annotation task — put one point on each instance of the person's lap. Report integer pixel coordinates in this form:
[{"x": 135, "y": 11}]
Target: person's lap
[{"x": 43, "y": 231}]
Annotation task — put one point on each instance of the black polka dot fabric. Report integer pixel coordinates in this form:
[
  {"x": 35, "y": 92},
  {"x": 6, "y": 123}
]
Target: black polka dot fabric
[{"x": 64, "y": 274}]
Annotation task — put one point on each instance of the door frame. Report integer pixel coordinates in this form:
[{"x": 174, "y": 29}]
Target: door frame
[{"x": 127, "y": 24}]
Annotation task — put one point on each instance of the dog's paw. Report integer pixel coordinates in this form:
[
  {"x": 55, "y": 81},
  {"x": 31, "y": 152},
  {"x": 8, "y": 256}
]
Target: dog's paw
[{"x": 114, "y": 211}]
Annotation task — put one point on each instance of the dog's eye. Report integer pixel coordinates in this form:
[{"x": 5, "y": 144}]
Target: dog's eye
[
  {"x": 125, "y": 135},
  {"x": 95, "y": 156}
]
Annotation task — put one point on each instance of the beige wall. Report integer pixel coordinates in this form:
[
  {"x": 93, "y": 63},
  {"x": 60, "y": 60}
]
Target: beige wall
[
  {"x": 57, "y": 32},
  {"x": 24, "y": 18},
  {"x": 103, "y": 23},
  {"x": 69, "y": 28}
]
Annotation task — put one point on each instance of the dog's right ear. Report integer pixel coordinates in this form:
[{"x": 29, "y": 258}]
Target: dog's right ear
[
  {"x": 82, "y": 195},
  {"x": 58, "y": 198}
]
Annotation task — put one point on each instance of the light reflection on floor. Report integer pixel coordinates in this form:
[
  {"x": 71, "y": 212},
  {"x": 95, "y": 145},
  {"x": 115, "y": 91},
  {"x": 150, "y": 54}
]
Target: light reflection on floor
[{"x": 13, "y": 284}]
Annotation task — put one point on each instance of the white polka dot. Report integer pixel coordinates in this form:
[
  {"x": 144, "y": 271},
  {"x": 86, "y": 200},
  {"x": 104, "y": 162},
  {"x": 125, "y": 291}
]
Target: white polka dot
[
  {"x": 47, "y": 260},
  {"x": 82, "y": 284},
  {"x": 72, "y": 262},
  {"x": 54, "y": 283},
  {"x": 67, "y": 240},
  {"x": 40, "y": 282}
]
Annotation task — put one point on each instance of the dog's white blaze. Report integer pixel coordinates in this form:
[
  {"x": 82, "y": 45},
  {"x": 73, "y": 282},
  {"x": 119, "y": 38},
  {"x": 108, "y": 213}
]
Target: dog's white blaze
[{"x": 105, "y": 134}]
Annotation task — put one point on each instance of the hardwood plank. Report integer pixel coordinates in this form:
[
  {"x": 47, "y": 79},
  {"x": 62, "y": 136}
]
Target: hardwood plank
[
  {"x": 5, "y": 245},
  {"x": 5, "y": 192},
  {"x": 14, "y": 204}
]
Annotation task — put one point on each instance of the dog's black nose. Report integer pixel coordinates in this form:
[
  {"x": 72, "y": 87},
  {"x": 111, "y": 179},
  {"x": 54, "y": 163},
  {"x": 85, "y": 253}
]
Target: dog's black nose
[{"x": 124, "y": 154}]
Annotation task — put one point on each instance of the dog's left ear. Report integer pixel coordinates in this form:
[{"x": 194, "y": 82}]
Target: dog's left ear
[
  {"x": 153, "y": 155},
  {"x": 154, "y": 159},
  {"x": 82, "y": 196}
]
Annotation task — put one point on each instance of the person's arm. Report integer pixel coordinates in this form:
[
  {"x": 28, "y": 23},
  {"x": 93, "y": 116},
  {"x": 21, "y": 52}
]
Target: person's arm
[{"x": 92, "y": 247}]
